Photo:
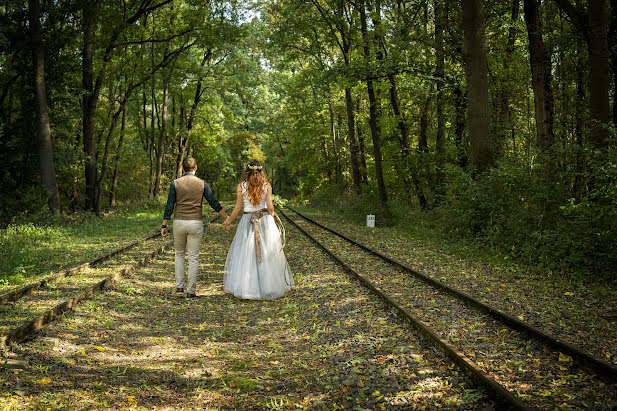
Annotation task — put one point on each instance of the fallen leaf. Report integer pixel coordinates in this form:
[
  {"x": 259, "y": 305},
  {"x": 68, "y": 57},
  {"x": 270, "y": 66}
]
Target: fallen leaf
[{"x": 44, "y": 381}]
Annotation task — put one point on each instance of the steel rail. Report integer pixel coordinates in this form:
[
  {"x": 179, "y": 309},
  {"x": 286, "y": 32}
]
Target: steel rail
[
  {"x": 496, "y": 390},
  {"x": 31, "y": 288},
  {"x": 597, "y": 366},
  {"x": 18, "y": 334}
]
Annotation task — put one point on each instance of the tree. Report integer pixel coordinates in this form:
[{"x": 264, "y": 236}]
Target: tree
[
  {"x": 540, "y": 77},
  {"x": 593, "y": 26},
  {"x": 481, "y": 141},
  {"x": 46, "y": 157},
  {"x": 374, "y": 111}
]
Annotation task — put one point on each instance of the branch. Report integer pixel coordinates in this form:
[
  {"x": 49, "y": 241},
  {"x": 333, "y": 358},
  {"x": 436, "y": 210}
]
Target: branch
[
  {"x": 578, "y": 19},
  {"x": 154, "y": 40},
  {"x": 143, "y": 9}
]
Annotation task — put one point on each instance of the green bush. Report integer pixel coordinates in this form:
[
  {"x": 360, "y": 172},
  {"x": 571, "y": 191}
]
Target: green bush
[{"x": 514, "y": 210}]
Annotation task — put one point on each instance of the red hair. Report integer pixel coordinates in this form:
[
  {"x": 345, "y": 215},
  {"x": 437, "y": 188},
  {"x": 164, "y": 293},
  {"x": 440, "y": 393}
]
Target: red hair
[{"x": 255, "y": 179}]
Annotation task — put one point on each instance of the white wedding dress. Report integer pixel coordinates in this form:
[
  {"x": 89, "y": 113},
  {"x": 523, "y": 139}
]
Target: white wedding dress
[{"x": 244, "y": 276}]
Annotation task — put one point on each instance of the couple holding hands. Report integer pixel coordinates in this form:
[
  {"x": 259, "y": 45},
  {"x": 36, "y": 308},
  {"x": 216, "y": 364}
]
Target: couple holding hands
[{"x": 256, "y": 267}]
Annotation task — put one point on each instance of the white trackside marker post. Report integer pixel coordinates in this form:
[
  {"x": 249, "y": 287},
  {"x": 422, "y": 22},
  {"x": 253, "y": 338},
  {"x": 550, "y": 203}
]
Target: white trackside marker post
[{"x": 370, "y": 220}]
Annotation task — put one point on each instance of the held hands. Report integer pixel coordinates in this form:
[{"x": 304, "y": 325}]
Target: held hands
[
  {"x": 227, "y": 224},
  {"x": 164, "y": 232}
]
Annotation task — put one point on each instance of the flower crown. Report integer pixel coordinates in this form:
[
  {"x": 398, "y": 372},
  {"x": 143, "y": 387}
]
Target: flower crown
[{"x": 254, "y": 167}]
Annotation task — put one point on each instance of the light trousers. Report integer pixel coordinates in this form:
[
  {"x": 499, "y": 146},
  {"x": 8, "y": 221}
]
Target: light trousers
[{"x": 187, "y": 240}]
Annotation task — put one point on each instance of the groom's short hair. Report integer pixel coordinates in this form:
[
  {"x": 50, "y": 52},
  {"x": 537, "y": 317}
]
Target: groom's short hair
[{"x": 188, "y": 164}]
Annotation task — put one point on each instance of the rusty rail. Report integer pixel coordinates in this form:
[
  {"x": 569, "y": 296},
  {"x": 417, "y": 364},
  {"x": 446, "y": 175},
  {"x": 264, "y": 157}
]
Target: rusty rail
[
  {"x": 599, "y": 367},
  {"x": 18, "y": 334},
  {"x": 496, "y": 390},
  {"x": 29, "y": 289}
]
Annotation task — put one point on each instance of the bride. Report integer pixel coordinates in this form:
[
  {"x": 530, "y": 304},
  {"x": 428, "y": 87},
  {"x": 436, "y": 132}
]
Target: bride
[{"x": 256, "y": 267}]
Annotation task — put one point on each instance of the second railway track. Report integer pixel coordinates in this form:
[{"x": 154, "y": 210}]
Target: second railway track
[
  {"x": 28, "y": 309},
  {"x": 531, "y": 369}
]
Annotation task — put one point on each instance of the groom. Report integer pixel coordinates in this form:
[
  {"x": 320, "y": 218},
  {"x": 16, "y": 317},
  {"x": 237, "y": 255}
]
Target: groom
[{"x": 186, "y": 194}]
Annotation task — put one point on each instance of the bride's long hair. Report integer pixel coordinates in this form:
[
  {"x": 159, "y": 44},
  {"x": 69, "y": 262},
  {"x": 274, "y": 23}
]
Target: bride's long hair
[{"x": 255, "y": 178}]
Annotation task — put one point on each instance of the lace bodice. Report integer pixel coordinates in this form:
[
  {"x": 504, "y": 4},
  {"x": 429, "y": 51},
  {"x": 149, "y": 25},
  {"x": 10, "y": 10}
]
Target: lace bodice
[{"x": 248, "y": 206}]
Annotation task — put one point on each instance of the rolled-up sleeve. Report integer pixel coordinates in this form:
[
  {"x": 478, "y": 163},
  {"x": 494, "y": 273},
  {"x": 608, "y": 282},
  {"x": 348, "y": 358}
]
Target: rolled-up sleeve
[
  {"x": 209, "y": 196},
  {"x": 171, "y": 202}
]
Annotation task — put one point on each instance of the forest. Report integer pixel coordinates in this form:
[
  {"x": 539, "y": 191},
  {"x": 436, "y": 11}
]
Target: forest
[{"x": 491, "y": 122}]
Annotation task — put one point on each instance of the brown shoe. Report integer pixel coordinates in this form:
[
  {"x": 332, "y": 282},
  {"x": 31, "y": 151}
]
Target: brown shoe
[
  {"x": 179, "y": 292},
  {"x": 189, "y": 295}
]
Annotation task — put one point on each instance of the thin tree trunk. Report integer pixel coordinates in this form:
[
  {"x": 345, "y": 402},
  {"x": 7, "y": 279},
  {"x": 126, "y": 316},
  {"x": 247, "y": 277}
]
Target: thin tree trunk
[
  {"x": 440, "y": 137},
  {"x": 353, "y": 146},
  {"x": 337, "y": 160},
  {"x": 183, "y": 143},
  {"x": 540, "y": 78},
  {"x": 481, "y": 141},
  {"x": 90, "y": 11},
  {"x": 361, "y": 145},
  {"x": 578, "y": 187},
  {"x": 612, "y": 38},
  {"x": 153, "y": 147},
  {"x": 46, "y": 157},
  {"x": 162, "y": 135},
  {"x": 373, "y": 111},
  {"x": 114, "y": 183},
  {"x": 101, "y": 179},
  {"x": 505, "y": 113}
]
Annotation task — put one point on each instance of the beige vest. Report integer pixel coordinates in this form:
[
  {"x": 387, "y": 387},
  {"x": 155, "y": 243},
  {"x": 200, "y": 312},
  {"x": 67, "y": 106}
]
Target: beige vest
[{"x": 189, "y": 197}]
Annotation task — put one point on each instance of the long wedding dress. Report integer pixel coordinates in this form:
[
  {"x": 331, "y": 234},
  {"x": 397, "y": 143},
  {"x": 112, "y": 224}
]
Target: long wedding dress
[{"x": 246, "y": 277}]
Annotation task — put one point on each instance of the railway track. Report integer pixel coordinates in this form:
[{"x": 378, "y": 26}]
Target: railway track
[
  {"x": 522, "y": 366},
  {"x": 27, "y": 310}
]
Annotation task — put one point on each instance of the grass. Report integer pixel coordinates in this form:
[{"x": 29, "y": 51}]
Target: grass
[{"x": 29, "y": 250}]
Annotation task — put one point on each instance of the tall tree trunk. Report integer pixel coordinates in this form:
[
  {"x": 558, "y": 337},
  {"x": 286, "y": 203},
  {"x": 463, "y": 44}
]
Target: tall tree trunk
[
  {"x": 353, "y": 146},
  {"x": 101, "y": 179},
  {"x": 540, "y": 78},
  {"x": 440, "y": 137},
  {"x": 114, "y": 183},
  {"x": 361, "y": 145},
  {"x": 90, "y": 11},
  {"x": 183, "y": 142},
  {"x": 337, "y": 160},
  {"x": 578, "y": 187},
  {"x": 612, "y": 39},
  {"x": 46, "y": 157},
  {"x": 482, "y": 144},
  {"x": 505, "y": 122},
  {"x": 162, "y": 135},
  {"x": 373, "y": 110},
  {"x": 594, "y": 28},
  {"x": 599, "y": 72}
]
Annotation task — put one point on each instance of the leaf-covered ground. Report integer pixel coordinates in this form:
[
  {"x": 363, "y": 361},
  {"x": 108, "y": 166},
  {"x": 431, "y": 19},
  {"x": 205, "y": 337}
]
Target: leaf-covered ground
[
  {"x": 541, "y": 376},
  {"x": 579, "y": 309},
  {"x": 328, "y": 345}
]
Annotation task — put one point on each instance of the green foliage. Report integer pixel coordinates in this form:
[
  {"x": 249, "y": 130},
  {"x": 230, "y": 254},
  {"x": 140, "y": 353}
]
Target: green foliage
[{"x": 513, "y": 210}]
